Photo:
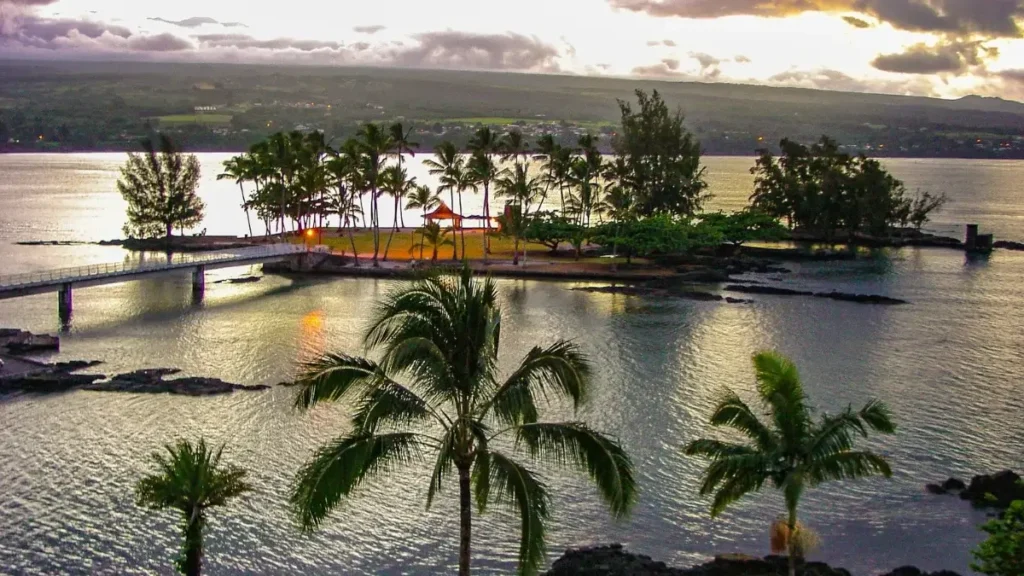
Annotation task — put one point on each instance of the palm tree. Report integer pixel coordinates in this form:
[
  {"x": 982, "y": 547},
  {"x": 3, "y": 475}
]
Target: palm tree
[
  {"x": 375, "y": 143},
  {"x": 237, "y": 169},
  {"x": 402, "y": 146},
  {"x": 443, "y": 334},
  {"x": 190, "y": 479},
  {"x": 513, "y": 147},
  {"x": 482, "y": 172},
  {"x": 432, "y": 233},
  {"x": 521, "y": 190},
  {"x": 789, "y": 449},
  {"x": 396, "y": 182},
  {"x": 423, "y": 198},
  {"x": 486, "y": 143},
  {"x": 450, "y": 168}
]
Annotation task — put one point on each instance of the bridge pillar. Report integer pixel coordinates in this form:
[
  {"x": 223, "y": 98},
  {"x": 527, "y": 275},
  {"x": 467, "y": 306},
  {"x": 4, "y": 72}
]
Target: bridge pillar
[
  {"x": 198, "y": 282},
  {"x": 64, "y": 301}
]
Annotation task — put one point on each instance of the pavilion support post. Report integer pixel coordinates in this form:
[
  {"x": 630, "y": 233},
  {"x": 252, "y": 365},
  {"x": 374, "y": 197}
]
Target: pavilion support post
[{"x": 64, "y": 303}]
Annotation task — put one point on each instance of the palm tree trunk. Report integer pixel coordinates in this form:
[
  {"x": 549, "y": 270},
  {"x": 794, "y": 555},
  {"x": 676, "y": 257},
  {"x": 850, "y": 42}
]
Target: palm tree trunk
[
  {"x": 245, "y": 206},
  {"x": 193, "y": 561},
  {"x": 423, "y": 237},
  {"x": 455, "y": 251},
  {"x": 352, "y": 240},
  {"x": 375, "y": 217},
  {"x": 792, "y": 542},
  {"x": 393, "y": 228},
  {"x": 515, "y": 251},
  {"x": 466, "y": 517},
  {"x": 487, "y": 219},
  {"x": 462, "y": 227}
]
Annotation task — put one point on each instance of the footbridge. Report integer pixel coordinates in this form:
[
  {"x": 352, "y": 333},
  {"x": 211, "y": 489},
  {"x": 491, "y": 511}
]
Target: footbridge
[{"x": 63, "y": 280}]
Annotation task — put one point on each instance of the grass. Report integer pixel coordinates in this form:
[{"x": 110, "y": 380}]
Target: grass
[{"x": 195, "y": 119}]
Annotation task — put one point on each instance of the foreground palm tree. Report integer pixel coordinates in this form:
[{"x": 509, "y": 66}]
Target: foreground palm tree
[
  {"x": 190, "y": 479},
  {"x": 441, "y": 334},
  {"x": 791, "y": 450}
]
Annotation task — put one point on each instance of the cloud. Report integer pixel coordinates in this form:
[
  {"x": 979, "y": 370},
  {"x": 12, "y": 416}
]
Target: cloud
[
  {"x": 857, "y": 22},
  {"x": 827, "y": 79},
  {"x": 991, "y": 18},
  {"x": 244, "y": 41},
  {"x": 955, "y": 57},
  {"x": 667, "y": 68},
  {"x": 470, "y": 50},
  {"x": 708, "y": 65},
  {"x": 197, "y": 21},
  {"x": 369, "y": 29},
  {"x": 669, "y": 43},
  {"x": 741, "y": 59},
  {"x": 159, "y": 43}
]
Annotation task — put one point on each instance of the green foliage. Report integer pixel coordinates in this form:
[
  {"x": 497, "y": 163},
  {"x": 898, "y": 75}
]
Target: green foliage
[
  {"x": 662, "y": 159},
  {"x": 787, "y": 448},
  {"x": 441, "y": 334},
  {"x": 551, "y": 230},
  {"x": 160, "y": 188},
  {"x": 1002, "y": 554},
  {"x": 825, "y": 191},
  {"x": 191, "y": 479},
  {"x": 922, "y": 205},
  {"x": 745, "y": 226},
  {"x": 656, "y": 236}
]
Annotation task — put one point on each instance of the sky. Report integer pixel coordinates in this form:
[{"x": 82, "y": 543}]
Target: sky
[{"x": 943, "y": 48}]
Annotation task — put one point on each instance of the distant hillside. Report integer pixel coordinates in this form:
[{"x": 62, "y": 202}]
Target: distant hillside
[{"x": 107, "y": 105}]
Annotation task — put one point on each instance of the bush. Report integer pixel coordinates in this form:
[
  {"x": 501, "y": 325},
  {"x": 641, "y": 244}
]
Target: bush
[{"x": 1003, "y": 553}]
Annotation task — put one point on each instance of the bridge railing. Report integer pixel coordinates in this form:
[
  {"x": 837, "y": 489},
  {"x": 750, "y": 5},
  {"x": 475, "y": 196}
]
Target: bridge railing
[{"x": 80, "y": 273}]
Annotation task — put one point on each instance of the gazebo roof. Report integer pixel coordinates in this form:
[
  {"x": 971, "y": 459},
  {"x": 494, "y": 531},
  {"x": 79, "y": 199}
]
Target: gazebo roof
[{"x": 443, "y": 212}]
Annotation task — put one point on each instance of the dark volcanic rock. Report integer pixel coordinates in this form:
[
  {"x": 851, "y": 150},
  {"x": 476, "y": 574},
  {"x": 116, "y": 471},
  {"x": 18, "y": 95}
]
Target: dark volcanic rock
[
  {"x": 48, "y": 382},
  {"x": 152, "y": 382},
  {"x": 841, "y": 296},
  {"x": 954, "y": 485},
  {"x": 242, "y": 280},
  {"x": 659, "y": 292},
  {"x": 935, "y": 489},
  {"x": 997, "y": 490},
  {"x": 21, "y": 342},
  {"x": 1008, "y": 245},
  {"x": 74, "y": 365},
  {"x": 614, "y": 561},
  {"x": 912, "y": 571}
]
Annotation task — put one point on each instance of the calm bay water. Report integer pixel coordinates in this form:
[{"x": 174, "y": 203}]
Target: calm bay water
[{"x": 949, "y": 365}]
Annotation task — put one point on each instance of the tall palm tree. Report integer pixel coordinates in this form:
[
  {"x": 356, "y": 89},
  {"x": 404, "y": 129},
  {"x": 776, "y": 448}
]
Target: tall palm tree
[
  {"x": 375, "y": 143},
  {"x": 442, "y": 333},
  {"x": 236, "y": 168},
  {"x": 422, "y": 198},
  {"x": 396, "y": 182},
  {"x": 402, "y": 146},
  {"x": 789, "y": 449},
  {"x": 547, "y": 149},
  {"x": 450, "y": 168},
  {"x": 483, "y": 172},
  {"x": 514, "y": 147},
  {"x": 191, "y": 479},
  {"x": 484, "y": 141}
]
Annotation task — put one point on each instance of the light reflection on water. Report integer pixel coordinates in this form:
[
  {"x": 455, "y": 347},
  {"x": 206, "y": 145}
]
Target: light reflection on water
[{"x": 949, "y": 364}]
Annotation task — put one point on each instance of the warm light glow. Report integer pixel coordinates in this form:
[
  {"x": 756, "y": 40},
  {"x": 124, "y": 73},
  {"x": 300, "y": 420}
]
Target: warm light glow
[{"x": 310, "y": 232}]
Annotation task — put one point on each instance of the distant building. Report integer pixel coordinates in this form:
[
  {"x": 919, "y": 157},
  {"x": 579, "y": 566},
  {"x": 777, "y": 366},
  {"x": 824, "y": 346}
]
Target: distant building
[{"x": 205, "y": 109}]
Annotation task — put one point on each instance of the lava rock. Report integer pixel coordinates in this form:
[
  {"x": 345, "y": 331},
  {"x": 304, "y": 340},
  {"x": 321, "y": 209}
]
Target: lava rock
[
  {"x": 861, "y": 298},
  {"x": 998, "y": 490},
  {"x": 615, "y": 561},
  {"x": 49, "y": 382},
  {"x": 152, "y": 381},
  {"x": 242, "y": 280},
  {"x": 954, "y": 485},
  {"x": 770, "y": 290},
  {"x": 1008, "y": 245},
  {"x": 935, "y": 489},
  {"x": 21, "y": 342}
]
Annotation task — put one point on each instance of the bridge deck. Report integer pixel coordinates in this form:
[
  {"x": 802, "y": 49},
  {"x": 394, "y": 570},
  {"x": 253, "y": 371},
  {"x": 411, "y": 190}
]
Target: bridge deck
[{"x": 50, "y": 280}]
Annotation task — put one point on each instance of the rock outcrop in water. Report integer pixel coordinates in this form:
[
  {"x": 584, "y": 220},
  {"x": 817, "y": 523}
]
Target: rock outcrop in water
[
  {"x": 63, "y": 377},
  {"x": 633, "y": 290},
  {"x": 613, "y": 560},
  {"x": 834, "y": 295},
  {"x": 997, "y": 490},
  {"x": 23, "y": 342}
]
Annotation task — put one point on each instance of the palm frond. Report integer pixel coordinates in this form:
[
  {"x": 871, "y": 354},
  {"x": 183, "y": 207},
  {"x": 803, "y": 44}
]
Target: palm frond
[
  {"x": 715, "y": 449},
  {"x": 878, "y": 417},
  {"x": 779, "y": 386},
  {"x": 443, "y": 466},
  {"x": 847, "y": 466},
  {"x": 333, "y": 376},
  {"x": 190, "y": 477},
  {"x": 733, "y": 412},
  {"x": 389, "y": 403},
  {"x": 757, "y": 467},
  {"x": 337, "y": 469},
  {"x": 516, "y": 486},
  {"x": 732, "y": 490},
  {"x": 560, "y": 370},
  {"x": 575, "y": 444}
]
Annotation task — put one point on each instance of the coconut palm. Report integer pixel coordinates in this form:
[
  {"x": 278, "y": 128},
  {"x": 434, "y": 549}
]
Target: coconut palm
[
  {"x": 191, "y": 479},
  {"x": 437, "y": 237},
  {"x": 375, "y": 144},
  {"x": 482, "y": 172},
  {"x": 513, "y": 147},
  {"x": 401, "y": 146},
  {"x": 237, "y": 169},
  {"x": 789, "y": 449},
  {"x": 486, "y": 143},
  {"x": 423, "y": 198},
  {"x": 396, "y": 182},
  {"x": 450, "y": 168},
  {"x": 442, "y": 334}
]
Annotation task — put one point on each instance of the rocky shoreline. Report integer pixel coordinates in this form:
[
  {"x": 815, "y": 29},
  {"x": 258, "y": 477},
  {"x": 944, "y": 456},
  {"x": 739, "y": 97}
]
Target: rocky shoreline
[
  {"x": 997, "y": 490},
  {"x": 614, "y": 560}
]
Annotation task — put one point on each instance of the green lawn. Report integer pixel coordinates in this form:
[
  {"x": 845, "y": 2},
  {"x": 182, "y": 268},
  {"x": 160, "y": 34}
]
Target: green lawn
[{"x": 195, "y": 119}]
